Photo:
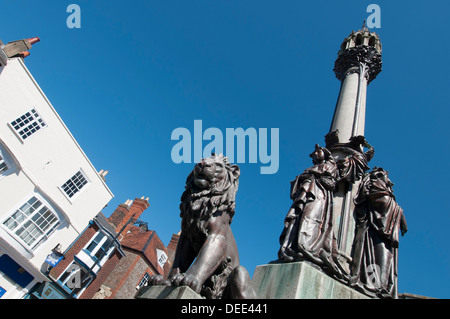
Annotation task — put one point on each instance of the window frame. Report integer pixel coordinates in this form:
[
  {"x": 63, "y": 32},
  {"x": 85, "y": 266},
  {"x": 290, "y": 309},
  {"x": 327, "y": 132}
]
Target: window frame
[
  {"x": 37, "y": 118},
  {"x": 80, "y": 267},
  {"x": 144, "y": 280},
  {"x": 46, "y": 234},
  {"x": 6, "y": 158},
  {"x": 99, "y": 245},
  {"x": 3, "y": 163},
  {"x": 79, "y": 190}
]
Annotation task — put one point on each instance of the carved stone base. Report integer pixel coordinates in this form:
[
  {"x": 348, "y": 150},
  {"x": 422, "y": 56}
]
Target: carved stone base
[
  {"x": 167, "y": 292},
  {"x": 299, "y": 280}
]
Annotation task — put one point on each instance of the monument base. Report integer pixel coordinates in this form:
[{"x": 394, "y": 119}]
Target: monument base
[
  {"x": 299, "y": 280},
  {"x": 167, "y": 292}
]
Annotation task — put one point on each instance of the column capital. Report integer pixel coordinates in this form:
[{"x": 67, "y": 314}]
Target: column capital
[{"x": 365, "y": 59}]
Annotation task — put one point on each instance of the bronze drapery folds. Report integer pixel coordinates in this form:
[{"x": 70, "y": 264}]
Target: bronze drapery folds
[
  {"x": 308, "y": 232},
  {"x": 308, "y": 227},
  {"x": 353, "y": 167},
  {"x": 375, "y": 249}
]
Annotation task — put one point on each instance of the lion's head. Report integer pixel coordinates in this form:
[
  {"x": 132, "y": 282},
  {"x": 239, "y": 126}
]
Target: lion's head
[{"x": 211, "y": 186}]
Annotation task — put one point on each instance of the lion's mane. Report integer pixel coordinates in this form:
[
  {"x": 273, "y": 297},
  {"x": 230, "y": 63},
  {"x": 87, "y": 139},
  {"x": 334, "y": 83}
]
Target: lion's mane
[{"x": 199, "y": 205}]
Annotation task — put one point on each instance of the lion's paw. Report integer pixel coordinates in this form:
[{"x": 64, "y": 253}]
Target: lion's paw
[
  {"x": 187, "y": 280},
  {"x": 158, "y": 280}
]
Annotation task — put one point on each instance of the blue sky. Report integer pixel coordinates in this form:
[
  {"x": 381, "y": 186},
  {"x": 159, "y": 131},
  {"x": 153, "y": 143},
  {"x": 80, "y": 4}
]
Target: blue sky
[{"x": 137, "y": 70}]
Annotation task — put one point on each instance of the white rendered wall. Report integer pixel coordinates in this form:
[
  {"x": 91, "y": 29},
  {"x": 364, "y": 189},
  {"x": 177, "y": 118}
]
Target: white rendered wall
[{"x": 44, "y": 162}]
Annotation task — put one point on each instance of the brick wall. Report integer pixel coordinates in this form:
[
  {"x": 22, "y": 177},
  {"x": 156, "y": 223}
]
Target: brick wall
[
  {"x": 114, "y": 280},
  {"x": 126, "y": 276},
  {"x": 172, "y": 247},
  {"x": 82, "y": 241},
  {"x": 104, "y": 272},
  {"x": 76, "y": 247}
]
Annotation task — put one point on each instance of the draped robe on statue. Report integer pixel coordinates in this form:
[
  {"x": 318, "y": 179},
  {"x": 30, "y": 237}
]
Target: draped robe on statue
[
  {"x": 308, "y": 232},
  {"x": 378, "y": 220}
]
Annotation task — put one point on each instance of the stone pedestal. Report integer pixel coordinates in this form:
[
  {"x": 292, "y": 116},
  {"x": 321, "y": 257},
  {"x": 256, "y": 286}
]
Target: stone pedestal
[
  {"x": 167, "y": 292},
  {"x": 299, "y": 280}
]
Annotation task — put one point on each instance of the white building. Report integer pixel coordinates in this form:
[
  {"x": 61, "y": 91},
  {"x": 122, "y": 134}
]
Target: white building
[{"x": 49, "y": 190}]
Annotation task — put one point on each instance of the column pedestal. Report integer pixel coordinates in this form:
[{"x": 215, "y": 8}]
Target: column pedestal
[
  {"x": 299, "y": 280},
  {"x": 167, "y": 292}
]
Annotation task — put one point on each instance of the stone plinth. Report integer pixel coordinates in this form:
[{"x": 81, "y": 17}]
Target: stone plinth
[
  {"x": 299, "y": 280},
  {"x": 167, "y": 292}
]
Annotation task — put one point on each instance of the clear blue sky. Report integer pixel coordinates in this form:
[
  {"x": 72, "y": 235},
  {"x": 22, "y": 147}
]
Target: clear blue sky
[{"x": 137, "y": 70}]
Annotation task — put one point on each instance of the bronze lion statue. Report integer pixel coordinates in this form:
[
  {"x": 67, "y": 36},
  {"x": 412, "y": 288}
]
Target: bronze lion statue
[{"x": 206, "y": 258}]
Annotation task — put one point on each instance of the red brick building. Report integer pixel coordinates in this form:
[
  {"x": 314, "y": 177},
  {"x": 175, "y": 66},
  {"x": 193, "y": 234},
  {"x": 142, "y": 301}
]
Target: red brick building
[
  {"x": 89, "y": 260},
  {"x": 145, "y": 254},
  {"x": 172, "y": 246},
  {"x": 111, "y": 259}
]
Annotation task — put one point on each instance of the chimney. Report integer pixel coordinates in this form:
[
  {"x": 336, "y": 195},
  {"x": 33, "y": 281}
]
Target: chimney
[
  {"x": 129, "y": 209},
  {"x": 24, "y": 54},
  {"x": 33, "y": 40},
  {"x": 103, "y": 174},
  {"x": 19, "y": 48}
]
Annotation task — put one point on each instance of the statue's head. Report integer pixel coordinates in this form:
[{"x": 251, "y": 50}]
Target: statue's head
[
  {"x": 214, "y": 172},
  {"x": 381, "y": 175},
  {"x": 320, "y": 154},
  {"x": 212, "y": 183}
]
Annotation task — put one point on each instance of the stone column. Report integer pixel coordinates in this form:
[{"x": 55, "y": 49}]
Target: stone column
[
  {"x": 351, "y": 106},
  {"x": 357, "y": 64}
]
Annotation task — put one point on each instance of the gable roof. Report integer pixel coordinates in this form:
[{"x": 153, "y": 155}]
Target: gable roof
[{"x": 146, "y": 242}]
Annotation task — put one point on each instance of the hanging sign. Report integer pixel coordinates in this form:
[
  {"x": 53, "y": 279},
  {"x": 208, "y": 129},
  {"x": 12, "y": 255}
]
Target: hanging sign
[
  {"x": 162, "y": 257},
  {"x": 54, "y": 258}
]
